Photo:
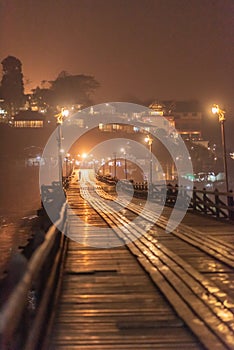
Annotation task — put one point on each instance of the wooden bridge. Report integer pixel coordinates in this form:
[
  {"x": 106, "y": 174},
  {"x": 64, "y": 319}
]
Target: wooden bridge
[
  {"x": 120, "y": 281},
  {"x": 212, "y": 203}
]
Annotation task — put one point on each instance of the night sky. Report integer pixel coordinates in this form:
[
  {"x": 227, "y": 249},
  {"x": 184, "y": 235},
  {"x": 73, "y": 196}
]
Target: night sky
[{"x": 159, "y": 49}]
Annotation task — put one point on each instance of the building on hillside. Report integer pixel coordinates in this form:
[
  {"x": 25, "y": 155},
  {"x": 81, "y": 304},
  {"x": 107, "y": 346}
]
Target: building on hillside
[
  {"x": 188, "y": 119},
  {"x": 28, "y": 119},
  {"x": 159, "y": 116},
  {"x": 184, "y": 116}
]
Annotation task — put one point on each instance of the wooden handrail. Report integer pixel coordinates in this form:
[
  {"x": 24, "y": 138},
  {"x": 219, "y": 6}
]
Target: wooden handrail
[
  {"x": 12, "y": 311},
  {"x": 229, "y": 193},
  {"x": 169, "y": 194}
]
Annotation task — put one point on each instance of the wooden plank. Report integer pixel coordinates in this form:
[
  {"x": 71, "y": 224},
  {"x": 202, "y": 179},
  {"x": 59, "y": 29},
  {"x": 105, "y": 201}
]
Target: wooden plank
[
  {"x": 192, "y": 299},
  {"x": 108, "y": 302}
]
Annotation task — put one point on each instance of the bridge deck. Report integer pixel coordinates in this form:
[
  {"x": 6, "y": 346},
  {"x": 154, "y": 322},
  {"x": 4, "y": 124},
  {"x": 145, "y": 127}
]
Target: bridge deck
[
  {"x": 208, "y": 225},
  {"x": 109, "y": 301}
]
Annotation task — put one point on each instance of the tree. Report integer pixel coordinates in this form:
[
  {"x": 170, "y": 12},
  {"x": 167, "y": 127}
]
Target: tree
[
  {"x": 73, "y": 89},
  {"x": 12, "y": 87},
  {"x": 42, "y": 97}
]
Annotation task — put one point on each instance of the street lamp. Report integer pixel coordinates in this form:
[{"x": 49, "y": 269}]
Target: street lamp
[
  {"x": 125, "y": 163},
  {"x": 149, "y": 141},
  {"x": 115, "y": 159},
  {"x": 221, "y": 114},
  {"x": 67, "y": 161},
  {"x": 64, "y": 113}
]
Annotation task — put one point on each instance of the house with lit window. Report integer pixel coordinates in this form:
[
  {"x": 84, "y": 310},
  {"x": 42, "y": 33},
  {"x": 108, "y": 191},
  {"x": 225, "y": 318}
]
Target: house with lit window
[
  {"x": 188, "y": 119},
  {"x": 184, "y": 116},
  {"x": 29, "y": 119}
]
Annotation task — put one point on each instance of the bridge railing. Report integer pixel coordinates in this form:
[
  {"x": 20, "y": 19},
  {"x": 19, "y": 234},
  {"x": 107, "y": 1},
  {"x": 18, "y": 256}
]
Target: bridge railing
[
  {"x": 213, "y": 203},
  {"x": 107, "y": 179},
  {"x": 25, "y": 315}
]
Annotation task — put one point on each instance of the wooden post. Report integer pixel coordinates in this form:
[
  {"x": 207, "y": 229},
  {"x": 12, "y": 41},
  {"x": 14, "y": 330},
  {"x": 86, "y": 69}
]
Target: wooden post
[
  {"x": 175, "y": 195},
  {"x": 230, "y": 206},
  {"x": 194, "y": 198},
  {"x": 205, "y": 201},
  {"x": 217, "y": 202},
  {"x": 184, "y": 202}
]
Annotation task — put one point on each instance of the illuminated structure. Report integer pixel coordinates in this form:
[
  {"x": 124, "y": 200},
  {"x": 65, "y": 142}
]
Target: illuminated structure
[
  {"x": 29, "y": 119},
  {"x": 125, "y": 163},
  {"x": 149, "y": 141},
  {"x": 184, "y": 116},
  {"x": 221, "y": 114},
  {"x": 60, "y": 116}
]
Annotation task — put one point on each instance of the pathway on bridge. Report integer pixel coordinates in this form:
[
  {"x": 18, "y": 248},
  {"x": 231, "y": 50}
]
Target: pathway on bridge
[{"x": 108, "y": 301}]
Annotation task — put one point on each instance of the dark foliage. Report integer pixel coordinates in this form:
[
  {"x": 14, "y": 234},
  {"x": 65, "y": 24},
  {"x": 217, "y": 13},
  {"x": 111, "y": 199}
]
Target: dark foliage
[{"x": 12, "y": 87}]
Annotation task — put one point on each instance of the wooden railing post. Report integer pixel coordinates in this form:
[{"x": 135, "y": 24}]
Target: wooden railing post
[
  {"x": 217, "y": 203},
  {"x": 163, "y": 195},
  {"x": 230, "y": 206},
  {"x": 184, "y": 197},
  {"x": 205, "y": 200},
  {"x": 194, "y": 198}
]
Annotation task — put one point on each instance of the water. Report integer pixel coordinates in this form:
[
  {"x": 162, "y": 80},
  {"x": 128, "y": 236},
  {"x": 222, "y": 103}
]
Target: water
[{"x": 19, "y": 201}]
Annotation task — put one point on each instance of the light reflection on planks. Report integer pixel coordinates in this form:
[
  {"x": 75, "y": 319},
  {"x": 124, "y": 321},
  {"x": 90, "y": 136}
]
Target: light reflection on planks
[{"x": 109, "y": 302}]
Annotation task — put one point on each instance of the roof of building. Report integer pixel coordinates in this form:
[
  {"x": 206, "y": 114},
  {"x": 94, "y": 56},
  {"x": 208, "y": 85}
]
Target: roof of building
[
  {"x": 29, "y": 115},
  {"x": 187, "y": 106},
  {"x": 173, "y": 106}
]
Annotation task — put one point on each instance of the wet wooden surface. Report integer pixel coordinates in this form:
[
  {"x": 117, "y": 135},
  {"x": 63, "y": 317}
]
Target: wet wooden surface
[
  {"x": 159, "y": 292},
  {"x": 109, "y": 302}
]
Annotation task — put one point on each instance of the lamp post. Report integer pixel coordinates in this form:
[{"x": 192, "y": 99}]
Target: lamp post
[
  {"x": 60, "y": 116},
  {"x": 149, "y": 141},
  {"x": 125, "y": 167},
  {"x": 68, "y": 161},
  {"x": 115, "y": 159},
  {"x": 221, "y": 114},
  {"x": 125, "y": 163}
]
